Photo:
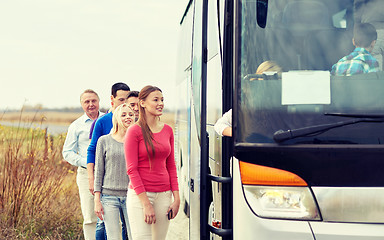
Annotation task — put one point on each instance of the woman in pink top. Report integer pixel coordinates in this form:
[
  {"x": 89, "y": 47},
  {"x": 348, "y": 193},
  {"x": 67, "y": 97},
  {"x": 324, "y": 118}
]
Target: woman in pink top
[{"x": 149, "y": 154}]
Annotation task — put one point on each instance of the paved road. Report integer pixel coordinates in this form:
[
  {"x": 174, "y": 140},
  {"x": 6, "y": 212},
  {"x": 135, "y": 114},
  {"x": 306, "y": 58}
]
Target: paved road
[{"x": 179, "y": 227}]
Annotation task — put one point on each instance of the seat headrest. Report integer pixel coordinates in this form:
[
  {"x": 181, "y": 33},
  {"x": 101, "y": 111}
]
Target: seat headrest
[{"x": 306, "y": 13}]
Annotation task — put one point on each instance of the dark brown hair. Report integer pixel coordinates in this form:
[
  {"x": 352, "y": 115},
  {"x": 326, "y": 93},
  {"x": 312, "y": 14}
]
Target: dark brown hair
[
  {"x": 364, "y": 34},
  {"x": 146, "y": 131}
]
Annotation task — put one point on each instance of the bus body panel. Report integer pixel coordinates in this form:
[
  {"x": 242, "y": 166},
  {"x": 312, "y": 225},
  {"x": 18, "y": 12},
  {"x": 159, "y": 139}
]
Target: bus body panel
[
  {"x": 352, "y": 204},
  {"x": 347, "y": 231}
]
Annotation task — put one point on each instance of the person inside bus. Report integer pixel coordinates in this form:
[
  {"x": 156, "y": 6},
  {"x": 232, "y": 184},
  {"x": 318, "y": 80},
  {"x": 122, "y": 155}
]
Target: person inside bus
[
  {"x": 371, "y": 11},
  {"x": 360, "y": 60},
  {"x": 223, "y": 126}
]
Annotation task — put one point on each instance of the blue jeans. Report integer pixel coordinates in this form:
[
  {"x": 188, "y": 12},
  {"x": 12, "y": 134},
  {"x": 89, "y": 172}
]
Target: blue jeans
[
  {"x": 101, "y": 234},
  {"x": 114, "y": 209},
  {"x": 100, "y": 230}
]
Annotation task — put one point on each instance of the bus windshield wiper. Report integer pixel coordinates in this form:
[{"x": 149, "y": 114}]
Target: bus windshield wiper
[
  {"x": 283, "y": 135},
  {"x": 354, "y": 115}
]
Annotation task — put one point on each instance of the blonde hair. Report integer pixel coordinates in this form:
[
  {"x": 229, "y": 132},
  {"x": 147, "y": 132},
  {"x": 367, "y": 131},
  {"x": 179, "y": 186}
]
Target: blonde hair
[
  {"x": 116, "y": 118},
  {"x": 267, "y": 66}
]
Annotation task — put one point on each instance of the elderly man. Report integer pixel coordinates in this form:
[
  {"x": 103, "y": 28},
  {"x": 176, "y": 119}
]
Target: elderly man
[{"x": 75, "y": 153}]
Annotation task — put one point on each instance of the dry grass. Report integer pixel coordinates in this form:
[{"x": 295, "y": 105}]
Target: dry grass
[{"x": 38, "y": 194}]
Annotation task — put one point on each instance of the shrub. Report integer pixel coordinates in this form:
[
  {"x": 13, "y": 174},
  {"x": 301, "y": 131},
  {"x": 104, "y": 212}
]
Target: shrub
[{"x": 38, "y": 191}]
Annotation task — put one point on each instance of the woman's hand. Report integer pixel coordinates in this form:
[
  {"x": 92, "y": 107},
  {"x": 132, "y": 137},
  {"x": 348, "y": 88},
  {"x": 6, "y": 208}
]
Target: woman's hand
[
  {"x": 175, "y": 205},
  {"x": 149, "y": 213},
  {"x": 98, "y": 206}
]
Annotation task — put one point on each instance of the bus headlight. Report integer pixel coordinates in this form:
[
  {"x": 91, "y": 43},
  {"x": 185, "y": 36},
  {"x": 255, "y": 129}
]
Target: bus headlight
[{"x": 282, "y": 202}]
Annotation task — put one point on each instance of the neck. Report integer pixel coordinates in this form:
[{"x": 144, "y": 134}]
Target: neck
[
  {"x": 93, "y": 116},
  {"x": 119, "y": 135},
  {"x": 152, "y": 120}
]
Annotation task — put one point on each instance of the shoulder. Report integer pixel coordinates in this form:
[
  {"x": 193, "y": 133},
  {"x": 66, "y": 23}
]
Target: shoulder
[
  {"x": 167, "y": 129},
  {"x": 134, "y": 129},
  {"x": 79, "y": 121},
  {"x": 103, "y": 139},
  {"x": 105, "y": 117}
]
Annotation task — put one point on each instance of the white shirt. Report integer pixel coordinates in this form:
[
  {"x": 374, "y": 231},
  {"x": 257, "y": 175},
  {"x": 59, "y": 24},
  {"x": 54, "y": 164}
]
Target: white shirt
[
  {"x": 223, "y": 122},
  {"x": 77, "y": 141}
]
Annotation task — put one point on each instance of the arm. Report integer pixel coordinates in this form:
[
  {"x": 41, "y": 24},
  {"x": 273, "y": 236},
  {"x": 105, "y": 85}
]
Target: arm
[
  {"x": 71, "y": 148},
  {"x": 223, "y": 126},
  {"x": 91, "y": 178},
  {"x": 171, "y": 167},
  {"x": 98, "y": 206},
  {"x": 227, "y": 132},
  {"x": 131, "y": 150},
  {"x": 100, "y": 164},
  {"x": 91, "y": 154},
  {"x": 99, "y": 175},
  {"x": 149, "y": 212}
]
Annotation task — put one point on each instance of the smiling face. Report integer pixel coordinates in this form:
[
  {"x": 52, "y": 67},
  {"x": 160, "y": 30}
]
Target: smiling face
[
  {"x": 127, "y": 116},
  {"x": 154, "y": 103}
]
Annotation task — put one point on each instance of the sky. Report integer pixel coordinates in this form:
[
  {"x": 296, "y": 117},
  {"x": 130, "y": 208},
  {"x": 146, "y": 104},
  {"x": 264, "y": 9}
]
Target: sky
[{"x": 52, "y": 50}]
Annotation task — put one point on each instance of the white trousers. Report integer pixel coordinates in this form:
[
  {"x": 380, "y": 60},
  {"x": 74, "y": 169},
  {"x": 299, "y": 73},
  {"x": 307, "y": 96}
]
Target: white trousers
[
  {"x": 87, "y": 205},
  {"x": 139, "y": 228}
]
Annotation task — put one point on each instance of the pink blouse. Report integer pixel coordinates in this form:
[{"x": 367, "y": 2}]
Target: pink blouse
[{"x": 157, "y": 175}]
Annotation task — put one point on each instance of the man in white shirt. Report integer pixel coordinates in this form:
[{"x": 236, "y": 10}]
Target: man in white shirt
[
  {"x": 223, "y": 126},
  {"x": 75, "y": 153}
]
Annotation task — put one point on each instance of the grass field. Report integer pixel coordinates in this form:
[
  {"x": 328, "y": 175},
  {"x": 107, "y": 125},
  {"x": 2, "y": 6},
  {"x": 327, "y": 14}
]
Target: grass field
[
  {"x": 60, "y": 118},
  {"x": 38, "y": 192}
]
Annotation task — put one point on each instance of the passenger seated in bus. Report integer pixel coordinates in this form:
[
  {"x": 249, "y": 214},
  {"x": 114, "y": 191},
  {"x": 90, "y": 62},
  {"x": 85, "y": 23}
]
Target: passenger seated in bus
[
  {"x": 371, "y": 11},
  {"x": 223, "y": 126},
  {"x": 360, "y": 60},
  {"x": 268, "y": 68}
]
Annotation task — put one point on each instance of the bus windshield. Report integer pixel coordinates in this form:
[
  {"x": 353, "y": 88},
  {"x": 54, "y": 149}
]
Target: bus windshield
[{"x": 296, "y": 79}]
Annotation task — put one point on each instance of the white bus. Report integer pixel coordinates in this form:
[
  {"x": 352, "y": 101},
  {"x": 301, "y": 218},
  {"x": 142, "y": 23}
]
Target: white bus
[{"x": 306, "y": 159}]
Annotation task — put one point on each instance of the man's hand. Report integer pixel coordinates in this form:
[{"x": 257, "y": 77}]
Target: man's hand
[
  {"x": 91, "y": 177},
  {"x": 91, "y": 185}
]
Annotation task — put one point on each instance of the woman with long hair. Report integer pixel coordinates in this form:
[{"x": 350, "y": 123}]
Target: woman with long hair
[
  {"x": 111, "y": 180},
  {"x": 149, "y": 154}
]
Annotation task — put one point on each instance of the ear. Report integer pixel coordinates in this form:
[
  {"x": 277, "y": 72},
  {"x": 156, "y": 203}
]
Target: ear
[
  {"x": 353, "y": 42},
  {"x": 141, "y": 102},
  {"x": 373, "y": 44}
]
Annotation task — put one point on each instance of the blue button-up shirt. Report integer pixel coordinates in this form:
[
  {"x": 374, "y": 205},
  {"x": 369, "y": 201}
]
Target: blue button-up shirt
[{"x": 77, "y": 141}]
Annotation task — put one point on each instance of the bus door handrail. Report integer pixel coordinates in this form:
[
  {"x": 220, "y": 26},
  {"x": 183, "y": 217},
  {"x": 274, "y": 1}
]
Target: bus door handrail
[
  {"x": 220, "y": 179},
  {"x": 220, "y": 231},
  {"x": 223, "y": 232}
]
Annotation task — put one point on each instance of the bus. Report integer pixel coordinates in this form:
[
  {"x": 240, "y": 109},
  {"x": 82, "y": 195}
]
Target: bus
[{"x": 306, "y": 159}]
